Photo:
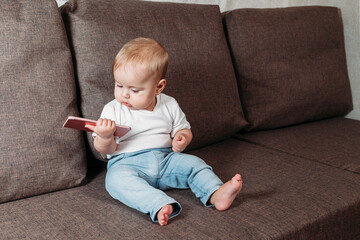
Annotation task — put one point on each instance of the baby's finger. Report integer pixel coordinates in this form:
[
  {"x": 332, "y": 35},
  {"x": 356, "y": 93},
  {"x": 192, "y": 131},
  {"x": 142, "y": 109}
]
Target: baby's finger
[
  {"x": 175, "y": 149},
  {"x": 99, "y": 122},
  {"x": 91, "y": 127},
  {"x": 112, "y": 124},
  {"x": 108, "y": 122}
]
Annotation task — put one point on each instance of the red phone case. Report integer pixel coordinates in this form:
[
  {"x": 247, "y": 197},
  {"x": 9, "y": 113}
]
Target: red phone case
[{"x": 79, "y": 124}]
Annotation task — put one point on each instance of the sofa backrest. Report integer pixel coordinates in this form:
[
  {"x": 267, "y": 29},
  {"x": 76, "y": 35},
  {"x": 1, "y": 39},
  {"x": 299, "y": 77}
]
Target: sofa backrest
[
  {"x": 200, "y": 74},
  {"x": 290, "y": 64},
  {"x": 37, "y": 92}
]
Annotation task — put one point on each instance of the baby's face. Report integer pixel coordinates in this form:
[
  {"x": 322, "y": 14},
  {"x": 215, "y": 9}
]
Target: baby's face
[{"x": 135, "y": 87}]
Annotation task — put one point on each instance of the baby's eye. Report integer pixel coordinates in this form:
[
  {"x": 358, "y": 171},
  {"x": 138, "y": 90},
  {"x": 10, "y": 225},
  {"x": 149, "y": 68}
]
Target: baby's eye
[
  {"x": 119, "y": 86},
  {"x": 134, "y": 90}
]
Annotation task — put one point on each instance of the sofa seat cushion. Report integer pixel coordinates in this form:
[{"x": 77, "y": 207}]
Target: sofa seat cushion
[
  {"x": 290, "y": 64},
  {"x": 284, "y": 197},
  {"x": 200, "y": 73},
  {"x": 334, "y": 142},
  {"x": 37, "y": 93}
]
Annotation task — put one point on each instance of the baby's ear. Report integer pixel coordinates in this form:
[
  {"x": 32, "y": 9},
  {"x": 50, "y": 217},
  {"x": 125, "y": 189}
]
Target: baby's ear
[{"x": 160, "y": 86}]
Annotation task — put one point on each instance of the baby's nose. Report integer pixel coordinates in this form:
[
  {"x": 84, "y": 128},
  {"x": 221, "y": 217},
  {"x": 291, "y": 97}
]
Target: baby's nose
[{"x": 126, "y": 93}]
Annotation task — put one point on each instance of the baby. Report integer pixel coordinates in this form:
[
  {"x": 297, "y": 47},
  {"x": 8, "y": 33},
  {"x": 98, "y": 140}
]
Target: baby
[{"x": 148, "y": 159}]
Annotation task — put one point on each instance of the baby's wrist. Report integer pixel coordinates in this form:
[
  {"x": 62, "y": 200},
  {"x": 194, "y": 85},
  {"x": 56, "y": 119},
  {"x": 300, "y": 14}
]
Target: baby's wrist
[{"x": 105, "y": 138}]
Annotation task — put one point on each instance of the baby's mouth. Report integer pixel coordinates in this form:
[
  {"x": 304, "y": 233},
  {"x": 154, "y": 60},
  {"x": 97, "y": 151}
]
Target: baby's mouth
[{"x": 126, "y": 104}]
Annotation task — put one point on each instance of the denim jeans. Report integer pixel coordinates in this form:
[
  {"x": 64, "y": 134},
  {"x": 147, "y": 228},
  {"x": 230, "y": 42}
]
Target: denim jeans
[{"x": 137, "y": 179}]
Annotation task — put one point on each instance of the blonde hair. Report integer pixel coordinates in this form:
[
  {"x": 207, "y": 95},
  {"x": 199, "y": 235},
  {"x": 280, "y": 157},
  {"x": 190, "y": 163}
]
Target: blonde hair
[{"x": 143, "y": 51}]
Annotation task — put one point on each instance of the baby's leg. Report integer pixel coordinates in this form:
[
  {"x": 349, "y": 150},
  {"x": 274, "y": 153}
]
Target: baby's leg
[
  {"x": 164, "y": 213},
  {"x": 225, "y": 195},
  {"x": 184, "y": 171},
  {"x": 124, "y": 184},
  {"x": 188, "y": 171}
]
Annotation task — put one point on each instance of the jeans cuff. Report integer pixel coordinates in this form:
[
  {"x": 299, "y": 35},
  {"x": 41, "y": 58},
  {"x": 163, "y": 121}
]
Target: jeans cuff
[{"x": 206, "y": 199}]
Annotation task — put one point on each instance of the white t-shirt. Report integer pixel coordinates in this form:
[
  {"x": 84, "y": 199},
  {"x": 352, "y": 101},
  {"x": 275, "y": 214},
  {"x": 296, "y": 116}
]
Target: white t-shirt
[{"x": 149, "y": 129}]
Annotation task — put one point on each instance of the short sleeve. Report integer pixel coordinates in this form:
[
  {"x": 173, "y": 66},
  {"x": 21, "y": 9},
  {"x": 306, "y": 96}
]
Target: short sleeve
[{"x": 179, "y": 119}]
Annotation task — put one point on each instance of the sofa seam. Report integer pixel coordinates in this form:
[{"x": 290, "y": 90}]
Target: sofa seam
[{"x": 290, "y": 154}]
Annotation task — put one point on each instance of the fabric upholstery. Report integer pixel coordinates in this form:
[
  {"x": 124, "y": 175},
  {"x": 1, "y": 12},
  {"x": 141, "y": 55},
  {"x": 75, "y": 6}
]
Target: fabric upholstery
[
  {"x": 199, "y": 66},
  {"x": 290, "y": 64},
  {"x": 334, "y": 142},
  {"x": 284, "y": 197},
  {"x": 37, "y": 92}
]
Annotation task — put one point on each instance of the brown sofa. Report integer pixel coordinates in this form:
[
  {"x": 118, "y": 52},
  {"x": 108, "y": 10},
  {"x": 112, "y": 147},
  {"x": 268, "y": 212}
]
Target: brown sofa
[{"x": 265, "y": 90}]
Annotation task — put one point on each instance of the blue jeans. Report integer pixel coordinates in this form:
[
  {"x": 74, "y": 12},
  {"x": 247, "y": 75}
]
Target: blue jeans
[{"x": 137, "y": 179}]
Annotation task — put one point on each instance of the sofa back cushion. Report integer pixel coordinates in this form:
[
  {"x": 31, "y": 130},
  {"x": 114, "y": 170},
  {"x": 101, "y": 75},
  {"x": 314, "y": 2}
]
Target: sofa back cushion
[
  {"x": 290, "y": 64},
  {"x": 37, "y": 92},
  {"x": 200, "y": 73}
]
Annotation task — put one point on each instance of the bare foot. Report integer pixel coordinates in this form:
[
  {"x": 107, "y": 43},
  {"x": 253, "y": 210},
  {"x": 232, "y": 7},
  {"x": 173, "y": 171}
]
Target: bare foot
[
  {"x": 164, "y": 213},
  {"x": 225, "y": 195}
]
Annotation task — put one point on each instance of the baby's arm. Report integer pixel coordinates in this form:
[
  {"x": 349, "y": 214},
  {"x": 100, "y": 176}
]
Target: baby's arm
[
  {"x": 104, "y": 142},
  {"x": 181, "y": 140}
]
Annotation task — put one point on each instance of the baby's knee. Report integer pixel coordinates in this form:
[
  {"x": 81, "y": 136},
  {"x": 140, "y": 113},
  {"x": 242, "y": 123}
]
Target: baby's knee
[
  {"x": 195, "y": 162},
  {"x": 110, "y": 180},
  {"x": 114, "y": 179}
]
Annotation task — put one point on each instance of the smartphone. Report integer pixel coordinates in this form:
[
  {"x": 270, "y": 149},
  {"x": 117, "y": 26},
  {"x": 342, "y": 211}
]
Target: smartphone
[{"x": 79, "y": 124}]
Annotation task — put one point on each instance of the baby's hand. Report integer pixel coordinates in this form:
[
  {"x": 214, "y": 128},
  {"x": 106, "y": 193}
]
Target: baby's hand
[
  {"x": 105, "y": 128},
  {"x": 179, "y": 143}
]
